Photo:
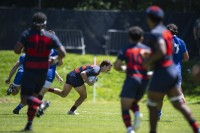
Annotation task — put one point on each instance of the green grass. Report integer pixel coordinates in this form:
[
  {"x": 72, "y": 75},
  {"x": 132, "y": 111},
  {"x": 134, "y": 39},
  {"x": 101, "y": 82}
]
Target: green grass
[{"x": 101, "y": 117}]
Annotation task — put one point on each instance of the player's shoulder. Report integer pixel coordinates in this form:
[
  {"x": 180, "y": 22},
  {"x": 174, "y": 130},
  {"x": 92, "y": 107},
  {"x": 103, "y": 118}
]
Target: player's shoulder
[
  {"x": 144, "y": 46},
  {"x": 49, "y": 34},
  {"x": 96, "y": 67}
]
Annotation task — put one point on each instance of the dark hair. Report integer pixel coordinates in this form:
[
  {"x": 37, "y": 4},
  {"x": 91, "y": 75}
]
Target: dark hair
[
  {"x": 105, "y": 63},
  {"x": 154, "y": 18},
  {"x": 173, "y": 28},
  {"x": 135, "y": 33},
  {"x": 39, "y": 20}
]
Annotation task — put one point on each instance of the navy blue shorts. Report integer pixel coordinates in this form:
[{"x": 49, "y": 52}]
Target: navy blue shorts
[
  {"x": 134, "y": 88},
  {"x": 74, "y": 80},
  {"x": 18, "y": 79},
  {"x": 32, "y": 82},
  {"x": 164, "y": 79}
]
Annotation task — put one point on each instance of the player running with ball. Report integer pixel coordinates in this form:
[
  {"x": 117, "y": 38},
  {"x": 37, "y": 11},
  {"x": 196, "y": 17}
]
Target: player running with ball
[
  {"x": 136, "y": 77},
  {"x": 76, "y": 79}
]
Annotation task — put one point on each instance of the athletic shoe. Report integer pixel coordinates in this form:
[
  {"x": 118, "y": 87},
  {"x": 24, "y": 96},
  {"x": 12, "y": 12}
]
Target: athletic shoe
[
  {"x": 42, "y": 108},
  {"x": 130, "y": 130},
  {"x": 27, "y": 128},
  {"x": 137, "y": 121},
  {"x": 72, "y": 113},
  {"x": 159, "y": 115},
  {"x": 10, "y": 89},
  {"x": 15, "y": 111}
]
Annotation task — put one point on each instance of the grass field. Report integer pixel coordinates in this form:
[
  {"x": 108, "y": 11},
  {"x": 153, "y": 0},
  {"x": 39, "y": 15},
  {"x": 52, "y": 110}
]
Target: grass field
[{"x": 103, "y": 116}]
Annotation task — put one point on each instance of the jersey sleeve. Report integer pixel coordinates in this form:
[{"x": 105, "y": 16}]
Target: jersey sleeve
[
  {"x": 183, "y": 46},
  {"x": 21, "y": 58},
  {"x": 23, "y": 37},
  {"x": 93, "y": 71},
  {"x": 56, "y": 42},
  {"x": 121, "y": 55}
]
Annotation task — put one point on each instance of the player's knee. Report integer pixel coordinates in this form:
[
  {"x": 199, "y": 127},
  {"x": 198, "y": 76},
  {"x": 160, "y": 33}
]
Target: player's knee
[
  {"x": 83, "y": 96},
  {"x": 176, "y": 101},
  {"x": 63, "y": 94},
  {"x": 151, "y": 103}
]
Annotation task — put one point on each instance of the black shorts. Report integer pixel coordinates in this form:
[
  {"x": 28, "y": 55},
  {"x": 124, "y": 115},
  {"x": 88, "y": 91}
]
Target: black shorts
[
  {"x": 164, "y": 79},
  {"x": 32, "y": 82},
  {"x": 74, "y": 80},
  {"x": 134, "y": 88}
]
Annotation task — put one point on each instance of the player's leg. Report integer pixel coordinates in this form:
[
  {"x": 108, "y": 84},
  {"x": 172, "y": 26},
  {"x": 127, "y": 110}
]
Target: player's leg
[
  {"x": 63, "y": 93},
  {"x": 44, "y": 89},
  {"x": 82, "y": 96},
  {"x": 32, "y": 83},
  {"x": 126, "y": 104},
  {"x": 153, "y": 101},
  {"x": 176, "y": 100}
]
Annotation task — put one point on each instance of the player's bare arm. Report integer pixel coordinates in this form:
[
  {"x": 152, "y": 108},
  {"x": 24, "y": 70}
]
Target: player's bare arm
[
  {"x": 185, "y": 56},
  {"x": 58, "y": 77},
  {"x": 18, "y": 48},
  {"x": 85, "y": 78},
  {"x": 12, "y": 72},
  {"x": 119, "y": 66}
]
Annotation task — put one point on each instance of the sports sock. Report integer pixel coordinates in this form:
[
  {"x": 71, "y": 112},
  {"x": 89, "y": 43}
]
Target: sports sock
[
  {"x": 152, "y": 131},
  {"x": 135, "y": 107},
  {"x": 51, "y": 90},
  {"x": 40, "y": 97},
  {"x": 19, "y": 107},
  {"x": 73, "y": 108},
  {"x": 33, "y": 103},
  {"x": 126, "y": 118},
  {"x": 194, "y": 125}
]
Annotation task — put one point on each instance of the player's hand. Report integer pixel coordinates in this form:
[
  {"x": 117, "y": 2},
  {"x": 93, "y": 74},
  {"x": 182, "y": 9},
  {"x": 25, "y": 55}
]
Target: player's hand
[
  {"x": 90, "y": 84},
  {"x": 53, "y": 60},
  {"x": 7, "y": 81},
  {"x": 60, "y": 79}
]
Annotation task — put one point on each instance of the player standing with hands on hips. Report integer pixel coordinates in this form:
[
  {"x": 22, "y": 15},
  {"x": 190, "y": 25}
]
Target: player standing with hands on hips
[
  {"x": 165, "y": 78},
  {"x": 37, "y": 43},
  {"x": 136, "y": 77}
]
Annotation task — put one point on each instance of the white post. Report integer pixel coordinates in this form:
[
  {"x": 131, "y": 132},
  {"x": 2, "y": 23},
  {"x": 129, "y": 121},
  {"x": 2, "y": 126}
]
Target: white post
[{"x": 94, "y": 86}]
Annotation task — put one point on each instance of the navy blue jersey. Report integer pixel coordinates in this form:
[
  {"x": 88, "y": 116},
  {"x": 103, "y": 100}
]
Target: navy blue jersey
[
  {"x": 131, "y": 55},
  {"x": 161, "y": 32},
  {"x": 37, "y": 45},
  {"x": 91, "y": 70},
  {"x": 21, "y": 62},
  {"x": 179, "y": 50}
]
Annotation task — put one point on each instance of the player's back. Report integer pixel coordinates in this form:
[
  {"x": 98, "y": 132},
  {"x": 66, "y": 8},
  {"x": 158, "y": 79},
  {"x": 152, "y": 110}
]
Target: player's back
[
  {"x": 134, "y": 60},
  {"x": 37, "y": 48},
  {"x": 94, "y": 69}
]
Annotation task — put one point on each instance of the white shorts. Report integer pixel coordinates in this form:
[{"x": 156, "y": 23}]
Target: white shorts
[{"x": 47, "y": 84}]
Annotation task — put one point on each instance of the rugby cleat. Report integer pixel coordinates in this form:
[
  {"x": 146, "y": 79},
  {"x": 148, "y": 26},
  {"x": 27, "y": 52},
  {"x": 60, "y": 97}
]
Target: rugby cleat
[
  {"x": 42, "y": 108},
  {"x": 72, "y": 113},
  {"x": 27, "y": 128},
  {"x": 130, "y": 130},
  {"x": 16, "y": 111}
]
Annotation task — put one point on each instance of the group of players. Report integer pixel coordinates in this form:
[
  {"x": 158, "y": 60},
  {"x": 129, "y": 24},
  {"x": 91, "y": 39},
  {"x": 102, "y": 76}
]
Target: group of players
[{"x": 42, "y": 48}]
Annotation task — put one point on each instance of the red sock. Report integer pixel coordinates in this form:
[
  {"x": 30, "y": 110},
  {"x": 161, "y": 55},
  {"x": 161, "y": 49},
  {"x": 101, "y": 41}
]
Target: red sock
[
  {"x": 135, "y": 107},
  {"x": 195, "y": 127},
  {"x": 51, "y": 90},
  {"x": 126, "y": 118},
  {"x": 33, "y": 103}
]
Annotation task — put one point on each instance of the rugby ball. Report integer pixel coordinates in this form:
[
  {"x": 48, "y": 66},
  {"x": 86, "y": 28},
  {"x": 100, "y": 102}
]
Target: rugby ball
[{"x": 92, "y": 79}]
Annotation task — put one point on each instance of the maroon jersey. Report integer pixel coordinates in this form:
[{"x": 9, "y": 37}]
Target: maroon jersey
[{"x": 37, "y": 45}]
